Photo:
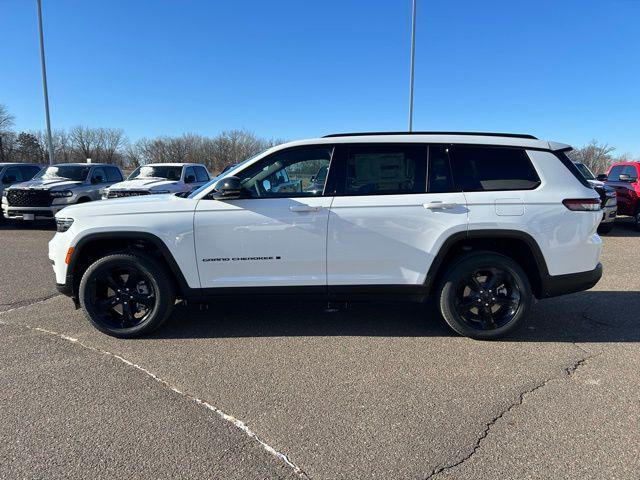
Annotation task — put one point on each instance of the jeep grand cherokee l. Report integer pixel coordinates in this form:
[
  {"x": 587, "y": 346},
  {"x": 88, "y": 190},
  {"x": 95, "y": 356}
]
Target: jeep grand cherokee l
[{"x": 483, "y": 223}]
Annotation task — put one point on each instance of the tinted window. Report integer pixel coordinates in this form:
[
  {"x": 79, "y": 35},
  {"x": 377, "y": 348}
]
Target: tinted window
[
  {"x": 13, "y": 174},
  {"x": 201, "y": 174},
  {"x": 287, "y": 174},
  {"x": 98, "y": 175},
  {"x": 478, "y": 169},
  {"x": 440, "y": 179},
  {"x": 631, "y": 171},
  {"x": 614, "y": 173},
  {"x": 386, "y": 169},
  {"x": 189, "y": 173},
  {"x": 28, "y": 171},
  {"x": 113, "y": 174}
]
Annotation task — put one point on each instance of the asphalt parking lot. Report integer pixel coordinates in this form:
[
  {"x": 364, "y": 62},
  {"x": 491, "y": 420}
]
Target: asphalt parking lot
[{"x": 276, "y": 390}]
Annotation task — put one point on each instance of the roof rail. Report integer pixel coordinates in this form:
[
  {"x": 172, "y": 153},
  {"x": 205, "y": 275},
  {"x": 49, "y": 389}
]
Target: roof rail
[{"x": 480, "y": 134}]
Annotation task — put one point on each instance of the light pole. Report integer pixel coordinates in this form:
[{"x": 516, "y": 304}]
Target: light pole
[
  {"x": 44, "y": 84},
  {"x": 413, "y": 54}
]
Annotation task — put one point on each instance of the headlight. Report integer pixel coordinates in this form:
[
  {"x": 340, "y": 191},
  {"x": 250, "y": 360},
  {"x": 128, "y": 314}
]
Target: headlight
[
  {"x": 154, "y": 192},
  {"x": 4, "y": 193},
  {"x": 61, "y": 193},
  {"x": 63, "y": 224},
  {"x": 104, "y": 194}
]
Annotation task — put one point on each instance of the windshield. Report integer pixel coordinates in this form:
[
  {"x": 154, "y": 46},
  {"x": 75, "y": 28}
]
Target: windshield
[
  {"x": 584, "y": 170},
  {"x": 77, "y": 173},
  {"x": 224, "y": 173},
  {"x": 157, "y": 171}
]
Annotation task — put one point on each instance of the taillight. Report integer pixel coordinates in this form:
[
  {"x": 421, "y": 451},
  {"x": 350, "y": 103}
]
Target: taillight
[{"x": 582, "y": 204}]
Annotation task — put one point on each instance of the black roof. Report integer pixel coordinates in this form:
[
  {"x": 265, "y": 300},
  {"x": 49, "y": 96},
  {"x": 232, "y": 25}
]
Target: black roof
[{"x": 480, "y": 134}]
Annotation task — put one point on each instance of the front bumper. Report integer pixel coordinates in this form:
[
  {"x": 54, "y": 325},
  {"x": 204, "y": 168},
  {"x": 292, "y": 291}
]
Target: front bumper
[
  {"x": 555, "y": 285},
  {"x": 39, "y": 213}
]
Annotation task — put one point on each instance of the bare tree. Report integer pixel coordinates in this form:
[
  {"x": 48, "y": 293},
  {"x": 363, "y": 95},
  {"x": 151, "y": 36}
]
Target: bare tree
[
  {"x": 111, "y": 141},
  {"x": 594, "y": 155},
  {"x": 86, "y": 141},
  {"x": 6, "y": 119}
]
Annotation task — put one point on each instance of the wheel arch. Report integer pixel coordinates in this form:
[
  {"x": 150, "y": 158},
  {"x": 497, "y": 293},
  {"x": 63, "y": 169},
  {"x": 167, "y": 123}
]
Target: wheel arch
[
  {"x": 95, "y": 245},
  {"x": 515, "y": 244}
]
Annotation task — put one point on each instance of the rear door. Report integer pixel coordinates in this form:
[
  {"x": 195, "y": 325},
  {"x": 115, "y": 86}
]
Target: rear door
[
  {"x": 394, "y": 206},
  {"x": 624, "y": 190}
]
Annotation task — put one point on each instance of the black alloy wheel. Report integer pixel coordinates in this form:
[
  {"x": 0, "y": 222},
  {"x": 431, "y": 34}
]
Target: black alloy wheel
[
  {"x": 485, "y": 295},
  {"x": 126, "y": 294}
]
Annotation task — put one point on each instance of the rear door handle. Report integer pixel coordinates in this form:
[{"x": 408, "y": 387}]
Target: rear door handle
[
  {"x": 304, "y": 208},
  {"x": 439, "y": 205}
]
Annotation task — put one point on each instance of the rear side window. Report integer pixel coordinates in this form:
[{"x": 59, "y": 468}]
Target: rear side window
[
  {"x": 113, "y": 174},
  {"x": 386, "y": 169},
  {"x": 482, "y": 169}
]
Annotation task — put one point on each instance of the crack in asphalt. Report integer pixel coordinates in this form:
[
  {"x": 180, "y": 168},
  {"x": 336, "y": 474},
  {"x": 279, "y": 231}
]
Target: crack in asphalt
[
  {"x": 225, "y": 416},
  {"x": 26, "y": 303},
  {"x": 567, "y": 372}
]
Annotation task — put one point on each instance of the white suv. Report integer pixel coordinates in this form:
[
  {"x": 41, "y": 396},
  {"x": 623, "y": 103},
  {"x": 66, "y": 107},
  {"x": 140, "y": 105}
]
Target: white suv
[{"x": 481, "y": 222}]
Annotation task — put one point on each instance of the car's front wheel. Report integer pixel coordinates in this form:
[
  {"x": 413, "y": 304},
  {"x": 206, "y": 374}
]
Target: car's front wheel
[
  {"x": 126, "y": 295},
  {"x": 485, "y": 295}
]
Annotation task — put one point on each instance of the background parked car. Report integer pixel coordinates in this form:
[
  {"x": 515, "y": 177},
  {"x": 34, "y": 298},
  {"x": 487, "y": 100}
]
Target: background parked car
[
  {"x": 607, "y": 195},
  {"x": 55, "y": 187},
  {"x": 623, "y": 177},
  {"x": 12, "y": 173},
  {"x": 157, "y": 178}
]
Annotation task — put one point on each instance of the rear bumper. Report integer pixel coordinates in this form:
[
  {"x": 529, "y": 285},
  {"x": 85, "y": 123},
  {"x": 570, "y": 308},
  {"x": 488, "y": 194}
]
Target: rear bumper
[{"x": 555, "y": 285}]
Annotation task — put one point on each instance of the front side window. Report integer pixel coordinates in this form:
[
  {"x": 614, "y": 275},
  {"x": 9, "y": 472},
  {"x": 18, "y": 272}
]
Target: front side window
[
  {"x": 76, "y": 173},
  {"x": 201, "y": 174},
  {"x": 385, "y": 169},
  {"x": 98, "y": 176},
  {"x": 291, "y": 173},
  {"x": 113, "y": 174},
  {"x": 631, "y": 171},
  {"x": 481, "y": 169},
  {"x": 170, "y": 172}
]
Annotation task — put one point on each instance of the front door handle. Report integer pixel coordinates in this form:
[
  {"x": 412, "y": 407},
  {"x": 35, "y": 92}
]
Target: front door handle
[
  {"x": 304, "y": 208},
  {"x": 439, "y": 205}
]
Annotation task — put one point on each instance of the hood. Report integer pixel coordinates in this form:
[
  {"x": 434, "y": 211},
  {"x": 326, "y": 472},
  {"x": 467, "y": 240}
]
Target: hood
[
  {"x": 47, "y": 184},
  {"x": 144, "y": 184},
  {"x": 167, "y": 203}
]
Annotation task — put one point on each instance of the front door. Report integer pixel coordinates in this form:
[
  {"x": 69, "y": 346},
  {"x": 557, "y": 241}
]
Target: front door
[
  {"x": 275, "y": 235},
  {"x": 392, "y": 211}
]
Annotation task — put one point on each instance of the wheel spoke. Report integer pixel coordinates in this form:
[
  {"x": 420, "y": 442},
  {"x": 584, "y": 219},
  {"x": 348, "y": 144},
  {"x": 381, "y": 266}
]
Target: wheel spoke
[
  {"x": 146, "y": 300},
  {"x": 487, "y": 319},
  {"x": 112, "y": 282},
  {"x": 108, "y": 303},
  {"x": 467, "y": 304},
  {"x": 495, "y": 280}
]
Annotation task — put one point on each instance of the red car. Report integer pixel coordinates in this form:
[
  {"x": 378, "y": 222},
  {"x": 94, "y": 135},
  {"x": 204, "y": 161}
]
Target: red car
[{"x": 623, "y": 176}]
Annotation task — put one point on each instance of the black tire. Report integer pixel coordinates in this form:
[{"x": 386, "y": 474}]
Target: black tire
[
  {"x": 485, "y": 295},
  {"x": 637, "y": 219},
  {"x": 116, "y": 288},
  {"x": 606, "y": 228}
]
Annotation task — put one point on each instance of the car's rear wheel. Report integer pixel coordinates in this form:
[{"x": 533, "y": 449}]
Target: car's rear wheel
[
  {"x": 126, "y": 295},
  {"x": 485, "y": 295}
]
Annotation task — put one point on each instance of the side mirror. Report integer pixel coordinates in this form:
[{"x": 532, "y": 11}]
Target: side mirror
[
  {"x": 602, "y": 177},
  {"x": 189, "y": 179},
  {"x": 625, "y": 178},
  {"x": 9, "y": 179},
  {"x": 228, "y": 188}
]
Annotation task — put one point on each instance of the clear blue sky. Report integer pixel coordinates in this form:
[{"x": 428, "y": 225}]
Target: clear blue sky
[{"x": 567, "y": 70}]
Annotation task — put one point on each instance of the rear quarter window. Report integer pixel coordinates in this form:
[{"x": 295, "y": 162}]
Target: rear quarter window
[{"x": 487, "y": 169}]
